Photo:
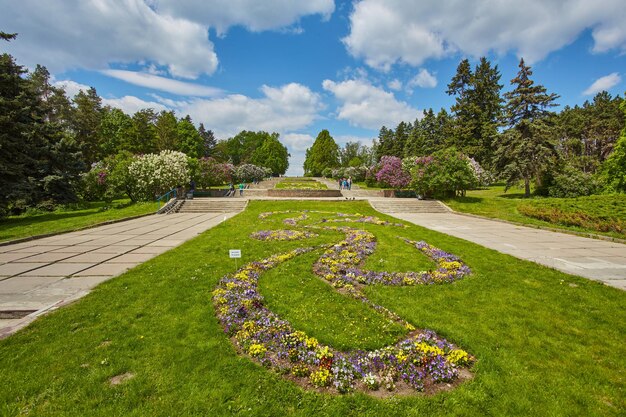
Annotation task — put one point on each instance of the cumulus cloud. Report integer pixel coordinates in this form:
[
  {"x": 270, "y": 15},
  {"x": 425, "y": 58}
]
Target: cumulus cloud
[
  {"x": 253, "y": 14},
  {"x": 71, "y": 87},
  {"x": 297, "y": 142},
  {"x": 368, "y": 106},
  {"x": 131, "y": 104},
  {"x": 163, "y": 84},
  {"x": 395, "y": 84},
  {"x": 93, "y": 34},
  {"x": 423, "y": 79},
  {"x": 384, "y": 32},
  {"x": 281, "y": 109},
  {"x": 603, "y": 83}
]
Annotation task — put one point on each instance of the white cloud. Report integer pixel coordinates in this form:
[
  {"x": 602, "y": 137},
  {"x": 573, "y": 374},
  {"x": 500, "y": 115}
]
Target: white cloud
[
  {"x": 131, "y": 104},
  {"x": 94, "y": 34},
  {"x": 297, "y": 142},
  {"x": 423, "y": 79},
  {"x": 164, "y": 84},
  {"x": 603, "y": 83},
  {"x": 282, "y": 109},
  {"x": 384, "y": 32},
  {"x": 395, "y": 84},
  {"x": 71, "y": 87},
  {"x": 253, "y": 14},
  {"x": 365, "y": 105}
]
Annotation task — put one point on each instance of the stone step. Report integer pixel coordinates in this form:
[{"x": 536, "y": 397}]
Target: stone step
[
  {"x": 408, "y": 206},
  {"x": 212, "y": 205}
]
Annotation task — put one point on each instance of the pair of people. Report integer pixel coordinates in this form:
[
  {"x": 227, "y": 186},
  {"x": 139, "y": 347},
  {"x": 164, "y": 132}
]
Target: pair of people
[{"x": 231, "y": 191}]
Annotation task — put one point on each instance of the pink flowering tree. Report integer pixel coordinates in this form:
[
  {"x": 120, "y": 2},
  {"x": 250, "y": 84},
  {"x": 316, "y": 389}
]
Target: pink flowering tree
[
  {"x": 210, "y": 172},
  {"x": 392, "y": 174}
]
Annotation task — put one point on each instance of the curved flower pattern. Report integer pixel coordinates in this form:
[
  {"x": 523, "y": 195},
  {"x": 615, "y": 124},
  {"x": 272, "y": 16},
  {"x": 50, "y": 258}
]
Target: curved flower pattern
[
  {"x": 421, "y": 358},
  {"x": 282, "y": 235}
]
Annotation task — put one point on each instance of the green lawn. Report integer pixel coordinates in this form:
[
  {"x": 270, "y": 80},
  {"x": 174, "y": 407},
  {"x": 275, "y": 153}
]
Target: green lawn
[
  {"x": 16, "y": 227},
  {"x": 598, "y": 214},
  {"x": 546, "y": 343}
]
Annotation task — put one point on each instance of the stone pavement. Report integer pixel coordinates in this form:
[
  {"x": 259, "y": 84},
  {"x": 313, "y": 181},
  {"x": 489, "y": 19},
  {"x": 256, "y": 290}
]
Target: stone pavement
[
  {"x": 43, "y": 274},
  {"x": 595, "y": 259}
]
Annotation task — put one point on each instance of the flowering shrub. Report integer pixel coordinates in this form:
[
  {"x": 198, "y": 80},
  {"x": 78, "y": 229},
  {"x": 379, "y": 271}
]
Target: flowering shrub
[
  {"x": 155, "y": 174},
  {"x": 421, "y": 357},
  {"x": 249, "y": 173},
  {"x": 210, "y": 173},
  {"x": 445, "y": 173},
  {"x": 391, "y": 173}
]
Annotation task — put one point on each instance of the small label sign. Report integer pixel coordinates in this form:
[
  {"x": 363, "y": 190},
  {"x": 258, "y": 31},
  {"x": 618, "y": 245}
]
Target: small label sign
[{"x": 235, "y": 253}]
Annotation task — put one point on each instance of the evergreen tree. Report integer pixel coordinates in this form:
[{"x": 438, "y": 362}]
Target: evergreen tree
[
  {"x": 349, "y": 152},
  {"x": 324, "y": 153},
  {"x": 477, "y": 109},
  {"x": 529, "y": 145},
  {"x": 400, "y": 138},
  {"x": 55, "y": 175},
  {"x": 208, "y": 140},
  {"x": 86, "y": 120},
  {"x": 15, "y": 133},
  {"x": 385, "y": 143}
]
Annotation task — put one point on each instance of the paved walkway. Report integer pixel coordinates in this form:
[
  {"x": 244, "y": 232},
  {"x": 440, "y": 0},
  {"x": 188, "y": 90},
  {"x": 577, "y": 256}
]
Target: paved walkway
[
  {"x": 590, "y": 258},
  {"x": 43, "y": 274}
]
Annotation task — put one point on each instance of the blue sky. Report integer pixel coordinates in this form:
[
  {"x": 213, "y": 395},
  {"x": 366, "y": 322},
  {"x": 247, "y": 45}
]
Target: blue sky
[{"x": 297, "y": 67}]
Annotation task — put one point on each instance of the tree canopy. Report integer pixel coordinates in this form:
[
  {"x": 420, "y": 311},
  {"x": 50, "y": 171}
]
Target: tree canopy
[{"x": 324, "y": 153}]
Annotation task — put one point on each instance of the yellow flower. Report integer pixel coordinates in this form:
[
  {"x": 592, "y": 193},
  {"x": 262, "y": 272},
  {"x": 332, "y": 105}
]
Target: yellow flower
[
  {"x": 458, "y": 357},
  {"x": 257, "y": 350}
]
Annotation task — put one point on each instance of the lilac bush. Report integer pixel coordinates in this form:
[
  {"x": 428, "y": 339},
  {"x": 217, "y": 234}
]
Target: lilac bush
[{"x": 391, "y": 173}]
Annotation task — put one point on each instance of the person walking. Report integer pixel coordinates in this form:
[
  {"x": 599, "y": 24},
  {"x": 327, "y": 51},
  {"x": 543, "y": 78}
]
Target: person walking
[
  {"x": 241, "y": 187},
  {"x": 231, "y": 190}
]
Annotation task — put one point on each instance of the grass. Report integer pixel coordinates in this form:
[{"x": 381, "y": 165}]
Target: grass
[
  {"x": 600, "y": 214},
  {"x": 547, "y": 343},
  {"x": 93, "y": 213},
  {"x": 300, "y": 183}
]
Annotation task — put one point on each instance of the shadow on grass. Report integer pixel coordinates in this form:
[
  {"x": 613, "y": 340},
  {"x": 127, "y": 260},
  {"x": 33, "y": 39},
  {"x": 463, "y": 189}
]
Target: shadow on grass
[
  {"x": 515, "y": 196},
  {"x": 466, "y": 200}
]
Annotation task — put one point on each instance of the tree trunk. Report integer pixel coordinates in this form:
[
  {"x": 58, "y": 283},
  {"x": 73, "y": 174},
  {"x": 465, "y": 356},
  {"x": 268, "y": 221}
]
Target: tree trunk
[{"x": 526, "y": 187}]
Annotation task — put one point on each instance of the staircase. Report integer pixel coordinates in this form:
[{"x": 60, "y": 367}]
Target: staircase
[
  {"x": 359, "y": 193},
  {"x": 213, "y": 205},
  {"x": 408, "y": 205}
]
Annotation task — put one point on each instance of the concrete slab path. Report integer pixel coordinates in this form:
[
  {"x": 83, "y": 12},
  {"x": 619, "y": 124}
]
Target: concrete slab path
[
  {"x": 41, "y": 275},
  {"x": 595, "y": 259}
]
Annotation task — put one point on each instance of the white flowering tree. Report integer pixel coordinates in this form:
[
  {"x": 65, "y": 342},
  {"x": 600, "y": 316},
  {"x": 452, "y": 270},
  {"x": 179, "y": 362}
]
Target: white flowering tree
[{"x": 155, "y": 174}]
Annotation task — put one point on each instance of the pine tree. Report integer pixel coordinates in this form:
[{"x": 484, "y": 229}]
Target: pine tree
[
  {"x": 86, "y": 120},
  {"x": 400, "y": 138},
  {"x": 477, "y": 109},
  {"x": 529, "y": 145},
  {"x": 15, "y": 133},
  {"x": 385, "y": 143},
  {"x": 208, "y": 140}
]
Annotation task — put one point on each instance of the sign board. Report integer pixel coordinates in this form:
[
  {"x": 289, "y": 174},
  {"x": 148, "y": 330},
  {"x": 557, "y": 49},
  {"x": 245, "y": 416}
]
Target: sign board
[{"x": 234, "y": 253}]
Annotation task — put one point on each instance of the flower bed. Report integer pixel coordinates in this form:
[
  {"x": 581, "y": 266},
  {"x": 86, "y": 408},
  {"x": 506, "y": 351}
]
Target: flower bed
[{"x": 421, "y": 361}]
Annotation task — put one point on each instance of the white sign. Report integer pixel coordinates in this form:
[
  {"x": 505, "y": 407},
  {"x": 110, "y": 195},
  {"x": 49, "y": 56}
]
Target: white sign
[{"x": 235, "y": 253}]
